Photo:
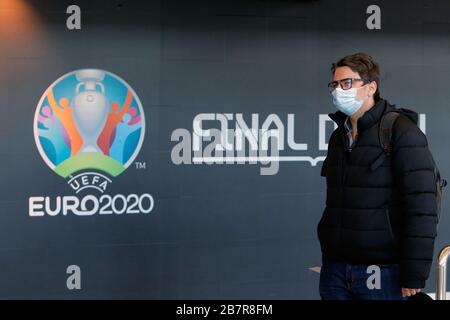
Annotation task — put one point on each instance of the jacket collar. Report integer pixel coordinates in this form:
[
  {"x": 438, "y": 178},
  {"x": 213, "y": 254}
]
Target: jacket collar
[{"x": 369, "y": 118}]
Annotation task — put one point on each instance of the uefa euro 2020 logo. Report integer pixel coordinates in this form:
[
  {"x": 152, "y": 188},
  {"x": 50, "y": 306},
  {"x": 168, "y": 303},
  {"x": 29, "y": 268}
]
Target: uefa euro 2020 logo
[{"x": 88, "y": 127}]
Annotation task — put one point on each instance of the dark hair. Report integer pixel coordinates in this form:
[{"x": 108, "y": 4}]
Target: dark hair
[{"x": 365, "y": 65}]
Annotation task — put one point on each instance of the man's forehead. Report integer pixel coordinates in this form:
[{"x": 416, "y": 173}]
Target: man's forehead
[{"x": 344, "y": 72}]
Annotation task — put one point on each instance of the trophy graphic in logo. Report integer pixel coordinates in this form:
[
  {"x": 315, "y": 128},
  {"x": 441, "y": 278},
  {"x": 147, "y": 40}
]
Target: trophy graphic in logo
[
  {"x": 89, "y": 123},
  {"x": 90, "y": 108}
]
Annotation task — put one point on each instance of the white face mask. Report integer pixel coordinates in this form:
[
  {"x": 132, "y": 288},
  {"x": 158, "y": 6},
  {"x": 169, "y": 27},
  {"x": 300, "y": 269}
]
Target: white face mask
[{"x": 347, "y": 101}]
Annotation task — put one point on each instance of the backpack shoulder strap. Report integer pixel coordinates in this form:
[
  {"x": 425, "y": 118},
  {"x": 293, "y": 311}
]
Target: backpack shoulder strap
[
  {"x": 385, "y": 137},
  {"x": 385, "y": 130}
]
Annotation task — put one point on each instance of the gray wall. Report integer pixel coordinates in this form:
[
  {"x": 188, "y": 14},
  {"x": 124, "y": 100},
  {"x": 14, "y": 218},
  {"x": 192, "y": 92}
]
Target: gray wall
[{"x": 217, "y": 231}]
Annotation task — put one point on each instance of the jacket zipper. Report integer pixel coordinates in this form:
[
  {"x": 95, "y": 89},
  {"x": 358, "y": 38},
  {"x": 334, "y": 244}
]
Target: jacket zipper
[
  {"x": 343, "y": 165},
  {"x": 344, "y": 162},
  {"x": 347, "y": 151}
]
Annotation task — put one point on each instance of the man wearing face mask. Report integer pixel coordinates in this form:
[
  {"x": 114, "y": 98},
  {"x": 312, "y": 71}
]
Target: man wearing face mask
[{"x": 380, "y": 216}]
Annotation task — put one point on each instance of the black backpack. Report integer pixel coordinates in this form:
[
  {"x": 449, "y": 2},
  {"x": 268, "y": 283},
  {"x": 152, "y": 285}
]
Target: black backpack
[{"x": 385, "y": 137}]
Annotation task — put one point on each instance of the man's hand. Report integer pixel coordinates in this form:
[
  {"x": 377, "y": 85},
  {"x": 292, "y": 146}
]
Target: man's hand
[{"x": 407, "y": 292}]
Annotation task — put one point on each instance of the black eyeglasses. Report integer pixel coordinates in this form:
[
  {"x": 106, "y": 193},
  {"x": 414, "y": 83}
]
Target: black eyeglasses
[{"x": 345, "y": 84}]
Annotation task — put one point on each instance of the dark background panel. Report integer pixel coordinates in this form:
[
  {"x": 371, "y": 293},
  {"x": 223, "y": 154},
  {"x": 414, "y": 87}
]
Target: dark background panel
[{"x": 217, "y": 231}]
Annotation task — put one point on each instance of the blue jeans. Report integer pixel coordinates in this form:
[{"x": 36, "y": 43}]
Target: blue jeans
[{"x": 341, "y": 281}]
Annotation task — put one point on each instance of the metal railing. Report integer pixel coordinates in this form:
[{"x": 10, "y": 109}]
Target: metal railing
[{"x": 441, "y": 276}]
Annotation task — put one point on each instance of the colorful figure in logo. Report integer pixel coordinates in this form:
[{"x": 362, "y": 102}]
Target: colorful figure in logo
[
  {"x": 85, "y": 121},
  {"x": 52, "y": 130},
  {"x": 114, "y": 117},
  {"x": 64, "y": 114},
  {"x": 123, "y": 130}
]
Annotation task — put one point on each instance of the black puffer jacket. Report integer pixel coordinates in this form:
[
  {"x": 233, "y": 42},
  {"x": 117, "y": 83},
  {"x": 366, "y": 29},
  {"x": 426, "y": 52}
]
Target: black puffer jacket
[{"x": 383, "y": 216}]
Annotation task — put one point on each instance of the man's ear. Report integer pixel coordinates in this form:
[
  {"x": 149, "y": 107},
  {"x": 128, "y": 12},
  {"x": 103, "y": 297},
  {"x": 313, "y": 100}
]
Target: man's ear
[{"x": 372, "y": 88}]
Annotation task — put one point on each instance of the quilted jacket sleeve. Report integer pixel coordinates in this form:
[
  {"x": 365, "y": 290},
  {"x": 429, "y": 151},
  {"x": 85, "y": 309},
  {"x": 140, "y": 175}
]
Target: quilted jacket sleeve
[{"x": 414, "y": 171}]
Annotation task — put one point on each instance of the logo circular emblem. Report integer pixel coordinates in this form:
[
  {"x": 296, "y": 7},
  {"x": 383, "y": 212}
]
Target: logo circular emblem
[{"x": 89, "y": 119}]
